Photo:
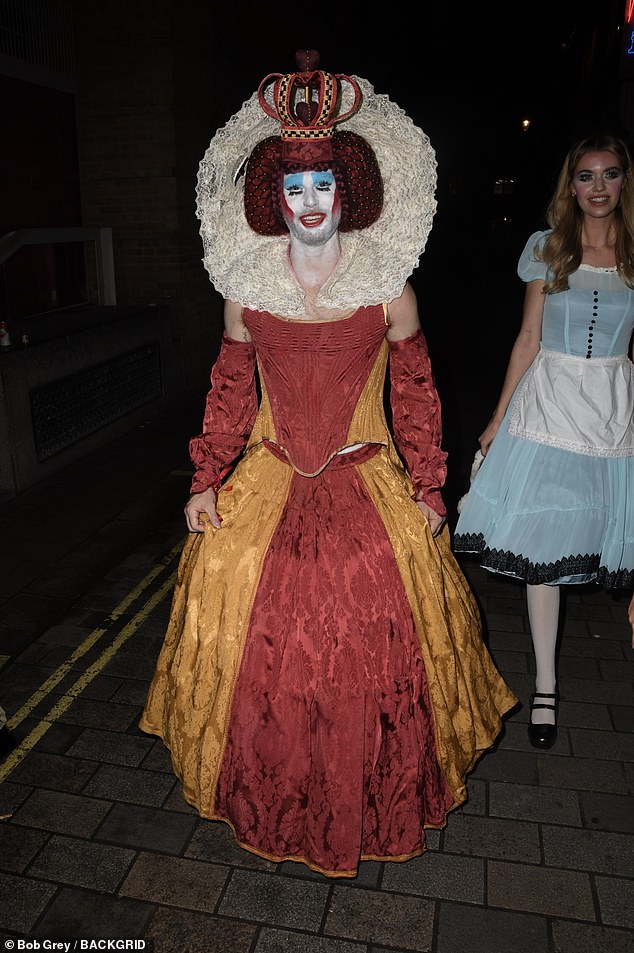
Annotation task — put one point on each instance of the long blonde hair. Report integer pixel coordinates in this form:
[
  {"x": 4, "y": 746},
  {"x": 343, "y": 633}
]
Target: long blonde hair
[{"x": 562, "y": 249}]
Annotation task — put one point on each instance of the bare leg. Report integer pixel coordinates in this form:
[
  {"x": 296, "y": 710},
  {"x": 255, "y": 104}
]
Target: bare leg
[{"x": 543, "y": 614}]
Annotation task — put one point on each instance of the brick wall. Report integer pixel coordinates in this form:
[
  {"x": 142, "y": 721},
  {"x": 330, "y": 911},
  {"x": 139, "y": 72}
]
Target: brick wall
[{"x": 142, "y": 132}]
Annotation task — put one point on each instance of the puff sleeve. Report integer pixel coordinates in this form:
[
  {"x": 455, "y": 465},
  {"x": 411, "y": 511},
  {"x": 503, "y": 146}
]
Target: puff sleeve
[
  {"x": 530, "y": 268},
  {"x": 416, "y": 418},
  {"x": 230, "y": 411}
]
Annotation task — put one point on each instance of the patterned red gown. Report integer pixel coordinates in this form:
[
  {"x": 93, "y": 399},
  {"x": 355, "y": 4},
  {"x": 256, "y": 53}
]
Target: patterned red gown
[{"x": 323, "y": 687}]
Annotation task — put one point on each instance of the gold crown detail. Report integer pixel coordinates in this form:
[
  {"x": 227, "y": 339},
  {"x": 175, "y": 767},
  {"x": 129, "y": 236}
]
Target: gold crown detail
[{"x": 306, "y": 102}]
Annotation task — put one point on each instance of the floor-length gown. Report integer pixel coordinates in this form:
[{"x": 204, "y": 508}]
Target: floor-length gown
[{"x": 323, "y": 686}]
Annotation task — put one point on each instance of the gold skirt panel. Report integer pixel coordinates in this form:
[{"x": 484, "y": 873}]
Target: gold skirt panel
[
  {"x": 191, "y": 694},
  {"x": 467, "y": 693}
]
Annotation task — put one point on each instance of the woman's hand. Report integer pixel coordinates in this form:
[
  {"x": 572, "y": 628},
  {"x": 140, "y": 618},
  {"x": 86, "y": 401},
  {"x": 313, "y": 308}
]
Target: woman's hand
[
  {"x": 630, "y": 615},
  {"x": 487, "y": 436},
  {"x": 198, "y": 504},
  {"x": 435, "y": 521}
]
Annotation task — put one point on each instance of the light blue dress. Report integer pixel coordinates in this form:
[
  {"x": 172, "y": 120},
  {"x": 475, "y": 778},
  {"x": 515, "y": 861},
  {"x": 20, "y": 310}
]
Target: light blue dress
[{"x": 553, "y": 501}]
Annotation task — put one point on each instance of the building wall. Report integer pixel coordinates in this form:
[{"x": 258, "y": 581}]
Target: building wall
[{"x": 140, "y": 69}]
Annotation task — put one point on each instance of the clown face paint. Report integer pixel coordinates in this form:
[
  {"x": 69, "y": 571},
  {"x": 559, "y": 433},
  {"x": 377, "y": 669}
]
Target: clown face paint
[{"x": 311, "y": 206}]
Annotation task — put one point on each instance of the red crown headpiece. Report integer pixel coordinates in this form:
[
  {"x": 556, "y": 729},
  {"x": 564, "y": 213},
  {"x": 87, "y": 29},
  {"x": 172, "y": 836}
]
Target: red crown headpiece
[{"x": 306, "y": 105}]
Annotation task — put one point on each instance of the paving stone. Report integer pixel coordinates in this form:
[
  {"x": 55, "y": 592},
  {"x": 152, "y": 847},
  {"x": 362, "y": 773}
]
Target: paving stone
[
  {"x": 492, "y": 837},
  {"x": 62, "y": 813},
  {"x": 44, "y": 655},
  {"x": 505, "y": 623},
  {"x": 131, "y": 692},
  {"x": 20, "y": 679},
  {"x": 101, "y": 688},
  {"x": 544, "y": 890},
  {"x": 174, "y": 881},
  {"x": 68, "y": 633},
  {"x": 509, "y": 603},
  {"x": 616, "y": 901},
  {"x": 280, "y": 901},
  {"x": 177, "y": 931},
  {"x": 82, "y": 863},
  {"x": 128, "y": 665},
  {"x": 598, "y": 692},
  {"x": 83, "y": 913},
  {"x": 580, "y": 715},
  {"x": 481, "y": 930},
  {"x": 176, "y": 801},
  {"x": 507, "y": 643},
  {"x": 509, "y": 661},
  {"x": 588, "y": 611},
  {"x": 441, "y": 876},
  {"x": 23, "y": 900},
  {"x": 582, "y": 938},
  {"x": 116, "y": 783},
  {"x": 622, "y": 717},
  {"x": 477, "y": 792},
  {"x": 571, "y": 666},
  {"x": 598, "y": 851},
  {"x": 279, "y": 941},
  {"x": 533, "y": 803},
  {"x": 57, "y": 739},
  {"x": 91, "y": 713},
  {"x": 157, "y": 757},
  {"x": 604, "y": 745},
  {"x": 41, "y": 769},
  {"x": 583, "y": 774},
  {"x": 501, "y": 765},
  {"x": 616, "y": 670},
  {"x": 146, "y": 827},
  {"x": 515, "y": 739},
  {"x": 12, "y": 796},
  {"x": 213, "y": 841},
  {"x": 599, "y": 648},
  {"x": 383, "y": 918},
  {"x": 18, "y": 846},
  {"x": 608, "y": 812},
  {"x": 110, "y": 746}
]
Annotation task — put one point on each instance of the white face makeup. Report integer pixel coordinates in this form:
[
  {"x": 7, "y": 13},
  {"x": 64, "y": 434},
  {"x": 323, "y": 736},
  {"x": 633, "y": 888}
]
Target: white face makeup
[
  {"x": 597, "y": 183},
  {"x": 311, "y": 206}
]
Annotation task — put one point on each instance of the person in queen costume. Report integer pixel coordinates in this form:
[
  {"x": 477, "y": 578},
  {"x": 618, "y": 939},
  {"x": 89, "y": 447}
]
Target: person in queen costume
[{"x": 323, "y": 687}]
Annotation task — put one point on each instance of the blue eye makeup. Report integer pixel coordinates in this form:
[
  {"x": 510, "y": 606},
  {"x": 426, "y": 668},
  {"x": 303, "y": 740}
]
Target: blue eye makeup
[
  {"x": 294, "y": 181},
  {"x": 323, "y": 180}
]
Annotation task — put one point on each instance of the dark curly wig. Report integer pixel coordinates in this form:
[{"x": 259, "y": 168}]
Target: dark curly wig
[{"x": 354, "y": 166}]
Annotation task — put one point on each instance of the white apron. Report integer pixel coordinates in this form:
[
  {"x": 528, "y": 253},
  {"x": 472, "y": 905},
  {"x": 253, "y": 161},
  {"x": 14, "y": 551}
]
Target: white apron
[{"x": 580, "y": 404}]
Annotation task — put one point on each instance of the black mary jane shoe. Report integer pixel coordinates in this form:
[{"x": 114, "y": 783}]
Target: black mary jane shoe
[{"x": 543, "y": 736}]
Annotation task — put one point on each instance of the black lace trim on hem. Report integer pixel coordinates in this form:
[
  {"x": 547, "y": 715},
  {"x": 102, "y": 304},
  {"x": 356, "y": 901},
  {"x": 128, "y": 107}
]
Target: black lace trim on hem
[{"x": 512, "y": 564}]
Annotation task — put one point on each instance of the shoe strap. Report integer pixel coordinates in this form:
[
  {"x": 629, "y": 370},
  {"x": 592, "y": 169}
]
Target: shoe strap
[{"x": 535, "y": 695}]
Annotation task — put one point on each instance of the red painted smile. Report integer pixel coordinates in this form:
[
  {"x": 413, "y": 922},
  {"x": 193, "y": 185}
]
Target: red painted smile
[{"x": 312, "y": 220}]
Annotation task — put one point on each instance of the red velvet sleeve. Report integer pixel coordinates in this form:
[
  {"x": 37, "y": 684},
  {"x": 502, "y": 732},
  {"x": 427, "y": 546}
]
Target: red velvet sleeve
[
  {"x": 230, "y": 412},
  {"x": 416, "y": 418}
]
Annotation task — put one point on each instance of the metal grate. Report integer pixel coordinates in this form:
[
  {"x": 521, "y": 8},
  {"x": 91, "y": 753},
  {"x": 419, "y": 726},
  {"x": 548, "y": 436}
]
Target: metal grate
[{"x": 65, "y": 411}]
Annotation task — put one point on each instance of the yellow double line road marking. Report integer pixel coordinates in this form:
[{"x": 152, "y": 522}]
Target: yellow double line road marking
[{"x": 66, "y": 700}]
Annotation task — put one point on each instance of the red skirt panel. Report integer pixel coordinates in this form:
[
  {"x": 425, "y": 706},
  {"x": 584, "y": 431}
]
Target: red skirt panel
[{"x": 330, "y": 754}]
